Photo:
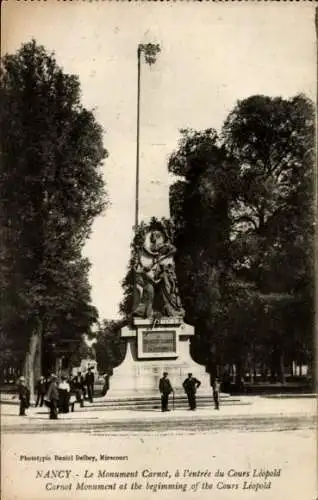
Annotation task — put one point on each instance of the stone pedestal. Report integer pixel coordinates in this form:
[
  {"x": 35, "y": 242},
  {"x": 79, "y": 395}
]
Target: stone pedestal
[{"x": 152, "y": 348}]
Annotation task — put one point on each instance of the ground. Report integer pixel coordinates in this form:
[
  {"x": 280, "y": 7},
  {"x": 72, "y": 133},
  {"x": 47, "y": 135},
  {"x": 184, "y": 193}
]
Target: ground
[{"x": 207, "y": 454}]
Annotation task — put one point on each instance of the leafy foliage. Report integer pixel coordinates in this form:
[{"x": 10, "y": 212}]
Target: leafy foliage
[
  {"x": 200, "y": 209},
  {"x": 51, "y": 191},
  {"x": 110, "y": 348},
  {"x": 272, "y": 140},
  {"x": 150, "y": 51},
  {"x": 243, "y": 210}
]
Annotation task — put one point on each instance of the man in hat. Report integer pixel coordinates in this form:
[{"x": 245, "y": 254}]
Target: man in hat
[
  {"x": 106, "y": 384},
  {"x": 24, "y": 396},
  {"x": 165, "y": 389},
  {"x": 53, "y": 397},
  {"x": 89, "y": 382},
  {"x": 79, "y": 388},
  {"x": 40, "y": 389},
  {"x": 190, "y": 386},
  {"x": 216, "y": 393}
]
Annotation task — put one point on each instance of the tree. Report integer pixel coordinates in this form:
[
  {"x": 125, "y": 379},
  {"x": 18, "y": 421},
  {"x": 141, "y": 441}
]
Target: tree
[
  {"x": 200, "y": 202},
  {"x": 272, "y": 141},
  {"x": 110, "y": 348},
  {"x": 51, "y": 191},
  {"x": 82, "y": 351},
  {"x": 243, "y": 211}
]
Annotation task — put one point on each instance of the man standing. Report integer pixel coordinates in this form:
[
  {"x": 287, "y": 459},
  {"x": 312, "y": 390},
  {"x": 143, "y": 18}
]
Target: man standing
[
  {"x": 165, "y": 389},
  {"x": 53, "y": 397},
  {"x": 190, "y": 386},
  {"x": 216, "y": 393},
  {"x": 40, "y": 389},
  {"x": 78, "y": 385},
  {"x": 89, "y": 381},
  {"x": 24, "y": 396},
  {"x": 106, "y": 384}
]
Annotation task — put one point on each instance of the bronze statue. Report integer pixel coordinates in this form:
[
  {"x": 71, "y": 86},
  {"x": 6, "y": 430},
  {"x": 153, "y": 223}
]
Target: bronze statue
[{"x": 156, "y": 291}]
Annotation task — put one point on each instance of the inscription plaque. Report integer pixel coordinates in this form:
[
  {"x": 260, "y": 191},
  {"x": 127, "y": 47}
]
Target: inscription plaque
[{"x": 157, "y": 344}]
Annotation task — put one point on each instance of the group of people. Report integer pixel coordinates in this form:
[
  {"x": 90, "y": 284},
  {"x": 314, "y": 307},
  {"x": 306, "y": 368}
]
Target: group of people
[
  {"x": 61, "y": 395},
  {"x": 83, "y": 386},
  {"x": 58, "y": 395},
  {"x": 190, "y": 386}
]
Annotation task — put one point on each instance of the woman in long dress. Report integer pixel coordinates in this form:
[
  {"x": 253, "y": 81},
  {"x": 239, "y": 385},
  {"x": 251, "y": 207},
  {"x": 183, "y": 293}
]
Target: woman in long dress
[{"x": 64, "y": 395}]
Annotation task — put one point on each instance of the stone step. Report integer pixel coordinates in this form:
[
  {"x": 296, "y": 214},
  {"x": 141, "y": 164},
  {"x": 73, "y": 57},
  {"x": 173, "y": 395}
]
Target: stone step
[
  {"x": 155, "y": 403},
  {"x": 154, "y": 396},
  {"x": 152, "y": 399}
]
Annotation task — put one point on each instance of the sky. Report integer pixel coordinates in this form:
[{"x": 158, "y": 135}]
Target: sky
[{"x": 212, "y": 55}]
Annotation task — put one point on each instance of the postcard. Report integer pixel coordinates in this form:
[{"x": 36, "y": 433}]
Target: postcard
[{"x": 157, "y": 255}]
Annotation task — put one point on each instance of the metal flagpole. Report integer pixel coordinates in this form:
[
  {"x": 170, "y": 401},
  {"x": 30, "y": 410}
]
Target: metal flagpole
[
  {"x": 137, "y": 138},
  {"x": 150, "y": 50}
]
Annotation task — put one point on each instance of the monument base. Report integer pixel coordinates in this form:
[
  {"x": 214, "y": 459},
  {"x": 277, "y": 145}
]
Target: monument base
[{"x": 152, "y": 348}]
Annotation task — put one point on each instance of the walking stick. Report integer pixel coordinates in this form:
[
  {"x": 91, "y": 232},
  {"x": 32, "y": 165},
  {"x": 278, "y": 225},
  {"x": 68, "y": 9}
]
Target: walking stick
[{"x": 173, "y": 400}]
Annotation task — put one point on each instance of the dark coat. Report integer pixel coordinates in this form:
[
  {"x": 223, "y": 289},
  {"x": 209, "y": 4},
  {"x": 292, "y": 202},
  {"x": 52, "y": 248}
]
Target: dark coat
[
  {"x": 165, "y": 386},
  {"x": 52, "y": 393},
  {"x": 89, "y": 378},
  {"x": 24, "y": 394},
  {"x": 190, "y": 385},
  {"x": 78, "y": 382},
  {"x": 216, "y": 387},
  {"x": 106, "y": 385},
  {"x": 40, "y": 387}
]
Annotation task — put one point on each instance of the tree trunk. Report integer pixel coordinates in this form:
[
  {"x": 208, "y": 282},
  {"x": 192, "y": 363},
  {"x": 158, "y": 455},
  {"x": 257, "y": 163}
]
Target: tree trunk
[
  {"x": 254, "y": 374},
  {"x": 251, "y": 374},
  {"x": 212, "y": 369},
  {"x": 38, "y": 359},
  {"x": 264, "y": 372},
  {"x": 281, "y": 368},
  {"x": 30, "y": 365},
  {"x": 238, "y": 374}
]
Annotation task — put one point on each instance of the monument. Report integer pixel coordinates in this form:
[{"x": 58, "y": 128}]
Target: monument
[{"x": 157, "y": 337}]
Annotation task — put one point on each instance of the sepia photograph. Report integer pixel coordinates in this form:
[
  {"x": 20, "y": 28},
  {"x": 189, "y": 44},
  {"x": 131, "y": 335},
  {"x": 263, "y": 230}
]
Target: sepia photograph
[{"x": 157, "y": 258}]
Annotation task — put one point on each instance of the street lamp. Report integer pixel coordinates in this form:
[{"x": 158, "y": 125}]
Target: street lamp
[{"x": 150, "y": 51}]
